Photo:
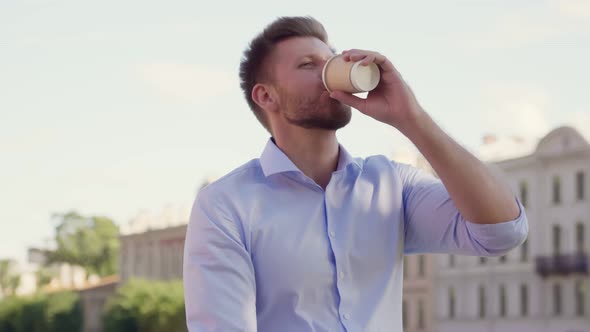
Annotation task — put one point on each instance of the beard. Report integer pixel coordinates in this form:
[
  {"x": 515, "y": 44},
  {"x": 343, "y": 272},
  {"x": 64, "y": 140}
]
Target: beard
[{"x": 315, "y": 112}]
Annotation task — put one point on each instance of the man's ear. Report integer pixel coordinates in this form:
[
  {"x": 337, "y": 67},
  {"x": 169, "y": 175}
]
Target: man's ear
[{"x": 265, "y": 97}]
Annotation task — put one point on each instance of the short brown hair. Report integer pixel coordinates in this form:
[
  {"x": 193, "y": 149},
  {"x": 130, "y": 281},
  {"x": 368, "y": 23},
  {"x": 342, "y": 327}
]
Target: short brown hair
[{"x": 252, "y": 68}]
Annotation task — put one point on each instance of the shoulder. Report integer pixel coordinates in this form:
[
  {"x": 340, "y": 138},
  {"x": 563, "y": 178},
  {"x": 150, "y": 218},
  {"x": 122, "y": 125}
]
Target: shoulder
[
  {"x": 380, "y": 163},
  {"x": 231, "y": 183}
]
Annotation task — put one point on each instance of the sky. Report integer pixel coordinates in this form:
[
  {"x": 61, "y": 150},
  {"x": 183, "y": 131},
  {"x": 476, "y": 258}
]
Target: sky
[{"x": 117, "y": 107}]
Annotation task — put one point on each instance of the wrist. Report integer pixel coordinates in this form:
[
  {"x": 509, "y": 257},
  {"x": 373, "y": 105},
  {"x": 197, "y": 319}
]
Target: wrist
[{"x": 415, "y": 125}]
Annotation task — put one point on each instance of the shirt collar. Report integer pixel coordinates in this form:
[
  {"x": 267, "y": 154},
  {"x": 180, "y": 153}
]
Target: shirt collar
[{"x": 273, "y": 160}]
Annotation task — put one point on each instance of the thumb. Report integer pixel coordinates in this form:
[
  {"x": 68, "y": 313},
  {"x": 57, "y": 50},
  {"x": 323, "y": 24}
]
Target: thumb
[{"x": 348, "y": 99}]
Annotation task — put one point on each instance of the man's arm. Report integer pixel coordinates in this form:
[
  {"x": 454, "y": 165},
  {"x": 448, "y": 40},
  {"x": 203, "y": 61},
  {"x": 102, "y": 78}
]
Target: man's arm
[
  {"x": 219, "y": 284},
  {"x": 481, "y": 196},
  {"x": 433, "y": 224}
]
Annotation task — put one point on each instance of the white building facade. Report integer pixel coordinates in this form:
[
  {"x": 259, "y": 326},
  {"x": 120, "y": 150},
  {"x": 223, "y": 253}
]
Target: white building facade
[
  {"x": 418, "y": 292},
  {"x": 418, "y": 288},
  {"x": 152, "y": 245},
  {"x": 542, "y": 286}
]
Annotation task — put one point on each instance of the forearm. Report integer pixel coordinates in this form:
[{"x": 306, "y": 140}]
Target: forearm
[{"x": 481, "y": 196}]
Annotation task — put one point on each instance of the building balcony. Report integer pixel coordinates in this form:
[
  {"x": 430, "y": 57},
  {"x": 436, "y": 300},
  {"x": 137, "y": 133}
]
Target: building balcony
[{"x": 561, "y": 265}]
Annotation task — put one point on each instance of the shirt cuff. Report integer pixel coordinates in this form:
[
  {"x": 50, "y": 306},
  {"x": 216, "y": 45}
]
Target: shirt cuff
[{"x": 501, "y": 237}]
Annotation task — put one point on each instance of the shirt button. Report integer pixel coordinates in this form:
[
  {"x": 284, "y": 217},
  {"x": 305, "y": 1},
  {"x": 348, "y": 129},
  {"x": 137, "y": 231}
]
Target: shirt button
[
  {"x": 341, "y": 275},
  {"x": 346, "y": 316},
  {"x": 332, "y": 234}
]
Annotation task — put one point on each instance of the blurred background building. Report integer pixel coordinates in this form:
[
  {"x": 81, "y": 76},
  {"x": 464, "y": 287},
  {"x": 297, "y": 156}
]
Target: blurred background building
[
  {"x": 152, "y": 245},
  {"x": 418, "y": 293},
  {"x": 542, "y": 285},
  {"x": 93, "y": 298}
]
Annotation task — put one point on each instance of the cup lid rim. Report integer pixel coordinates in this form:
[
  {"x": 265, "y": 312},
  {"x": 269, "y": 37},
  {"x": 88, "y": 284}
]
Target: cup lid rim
[{"x": 324, "y": 71}]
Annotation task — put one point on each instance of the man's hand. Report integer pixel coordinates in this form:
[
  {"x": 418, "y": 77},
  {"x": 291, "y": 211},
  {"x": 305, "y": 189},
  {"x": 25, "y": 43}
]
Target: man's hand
[{"x": 392, "y": 102}]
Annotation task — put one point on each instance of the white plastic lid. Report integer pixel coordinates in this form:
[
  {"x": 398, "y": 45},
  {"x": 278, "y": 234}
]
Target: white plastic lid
[{"x": 365, "y": 78}]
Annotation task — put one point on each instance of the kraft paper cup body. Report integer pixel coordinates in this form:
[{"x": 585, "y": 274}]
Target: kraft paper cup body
[
  {"x": 349, "y": 76},
  {"x": 336, "y": 75}
]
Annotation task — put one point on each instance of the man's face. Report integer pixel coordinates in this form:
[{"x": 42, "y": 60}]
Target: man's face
[{"x": 297, "y": 75}]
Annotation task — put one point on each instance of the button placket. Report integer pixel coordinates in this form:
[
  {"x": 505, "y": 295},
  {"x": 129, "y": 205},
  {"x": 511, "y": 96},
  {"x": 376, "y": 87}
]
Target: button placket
[{"x": 339, "y": 264}]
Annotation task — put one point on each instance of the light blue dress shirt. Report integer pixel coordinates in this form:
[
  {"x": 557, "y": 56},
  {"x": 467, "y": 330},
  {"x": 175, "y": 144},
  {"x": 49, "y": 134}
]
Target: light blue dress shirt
[{"x": 268, "y": 250}]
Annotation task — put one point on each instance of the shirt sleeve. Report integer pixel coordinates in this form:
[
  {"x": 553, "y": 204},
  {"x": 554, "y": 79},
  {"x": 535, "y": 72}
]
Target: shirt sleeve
[
  {"x": 433, "y": 224},
  {"x": 219, "y": 284}
]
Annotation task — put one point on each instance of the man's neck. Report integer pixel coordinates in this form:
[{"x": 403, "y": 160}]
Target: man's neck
[{"x": 314, "y": 152}]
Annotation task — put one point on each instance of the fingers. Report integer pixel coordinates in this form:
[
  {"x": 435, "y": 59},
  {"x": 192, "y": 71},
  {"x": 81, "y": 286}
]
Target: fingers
[
  {"x": 349, "y": 99},
  {"x": 368, "y": 57}
]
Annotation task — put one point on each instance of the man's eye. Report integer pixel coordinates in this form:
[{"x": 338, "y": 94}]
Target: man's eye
[{"x": 306, "y": 64}]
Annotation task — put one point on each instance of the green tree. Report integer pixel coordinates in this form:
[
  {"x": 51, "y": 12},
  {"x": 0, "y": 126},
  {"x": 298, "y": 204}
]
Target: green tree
[
  {"x": 43, "y": 277},
  {"x": 64, "y": 312},
  {"x": 58, "y": 312},
  {"x": 23, "y": 314},
  {"x": 9, "y": 280},
  {"x": 32, "y": 316},
  {"x": 90, "y": 242},
  {"x": 146, "y": 306},
  {"x": 10, "y": 311}
]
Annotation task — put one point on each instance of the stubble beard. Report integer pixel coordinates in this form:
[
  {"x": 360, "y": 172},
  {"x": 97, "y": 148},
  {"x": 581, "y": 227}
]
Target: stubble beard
[{"x": 315, "y": 113}]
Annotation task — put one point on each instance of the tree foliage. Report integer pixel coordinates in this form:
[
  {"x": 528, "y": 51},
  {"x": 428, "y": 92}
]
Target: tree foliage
[
  {"x": 146, "y": 306},
  {"x": 43, "y": 276},
  {"x": 90, "y": 242},
  {"x": 9, "y": 280},
  {"x": 59, "y": 312}
]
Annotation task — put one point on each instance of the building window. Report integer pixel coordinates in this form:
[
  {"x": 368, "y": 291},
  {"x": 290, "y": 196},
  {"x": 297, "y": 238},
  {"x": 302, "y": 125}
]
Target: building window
[
  {"x": 406, "y": 267},
  {"x": 502, "y": 301},
  {"x": 138, "y": 263},
  {"x": 524, "y": 300},
  {"x": 167, "y": 262},
  {"x": 163, "y": 261},
  {"x": 580, "y": 237},
  {"x": 556, "y": 240},
  {"x": 580, "y": 298},
  {"x": 149, "y": 260},
  {"x": 452, "y": 303},
  {"x": 524, "y": 193},
  {"x": 503, "y": 259},
  {"x": 483, "y": 260},
  {"x": 421, "y": 317},
  {"x": 482, "y": 302},
  {"x": 524, "y": 251},
  {"x": 405, "y": 314},
  {"x": 123, "y": 262},
  {"x": 580, "y": 185},
  {"x": 557, "y": 299},
  {"x": 421, "y": 265},
  {"x": 451, "y": 260},
  {"x": 179, "y": 252},
  {"x": 556, "y": 190}
]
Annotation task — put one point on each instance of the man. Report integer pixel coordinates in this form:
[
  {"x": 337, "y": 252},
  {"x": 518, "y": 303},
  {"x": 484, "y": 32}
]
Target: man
[{"x": 307, "y": 238}]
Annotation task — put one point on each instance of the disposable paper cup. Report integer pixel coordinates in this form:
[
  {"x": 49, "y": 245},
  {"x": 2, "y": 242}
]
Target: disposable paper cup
[{"x": 348, "y": 76}]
